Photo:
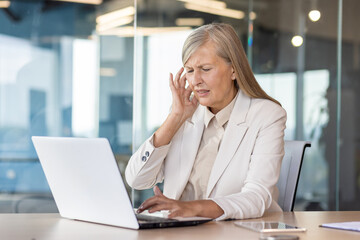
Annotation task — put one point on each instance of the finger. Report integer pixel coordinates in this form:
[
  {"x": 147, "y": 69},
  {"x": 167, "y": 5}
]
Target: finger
[
  {"x": 194, "y": 100},
  {"x": 172, "y": 84},
  {"x": 151, "y": 202},
  {"x": 140, "y": 210},
  {"x": 145, "y": 205},
  {"x": 178, "y": 74},
  {"x": 188, "y": 92},
  {"x": 182, "y": 81},
  {"x": 157, "y": 191},
  {"x": 177, "y": 77},
  {"x": 174, "y": 214},
  {"x": 171, "y": 81},
  {"x": 161, "y": 207}
]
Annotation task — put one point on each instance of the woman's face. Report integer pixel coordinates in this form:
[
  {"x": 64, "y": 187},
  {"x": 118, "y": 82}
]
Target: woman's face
[{"x": 211, "y": 78}]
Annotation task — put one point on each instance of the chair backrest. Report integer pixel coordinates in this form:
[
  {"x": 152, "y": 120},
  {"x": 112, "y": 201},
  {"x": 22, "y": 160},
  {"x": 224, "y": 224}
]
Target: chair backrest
[{"x": 290, "y": 173}]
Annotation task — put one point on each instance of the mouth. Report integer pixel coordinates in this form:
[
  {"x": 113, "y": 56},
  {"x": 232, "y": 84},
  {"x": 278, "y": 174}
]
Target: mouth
[{"x": 202, "y": 92}]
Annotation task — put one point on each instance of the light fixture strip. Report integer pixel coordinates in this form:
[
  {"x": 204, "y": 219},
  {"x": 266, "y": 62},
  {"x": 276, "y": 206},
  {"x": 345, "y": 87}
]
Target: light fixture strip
[
  {"x": 237, "y": 14},
  {"x": 130, "y": 31},
  {"x": 207, "y": 3},
  {"x": 94, "y": 2},
  {"x": 189, "y": 21},
  {"x": 115, "y": 23},
  {"x": 4, "y": 4},
  {"x": 111, "y": 16}
]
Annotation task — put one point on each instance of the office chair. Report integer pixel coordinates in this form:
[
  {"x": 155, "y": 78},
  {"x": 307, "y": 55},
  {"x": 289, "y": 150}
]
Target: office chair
[
  {"x": 41, "y": 203},
  {"x": 290, "y": 173}
]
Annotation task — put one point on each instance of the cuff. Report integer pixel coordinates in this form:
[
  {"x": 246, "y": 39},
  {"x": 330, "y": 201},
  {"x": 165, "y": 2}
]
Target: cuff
[
  {"x": 150, "y": 152},
  {"x": 151, "y": 142}
]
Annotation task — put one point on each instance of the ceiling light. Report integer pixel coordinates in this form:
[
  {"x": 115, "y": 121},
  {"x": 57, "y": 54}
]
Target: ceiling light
[
  {"x": 207, "y": 3},
  {"x": 4, "y": 4},
  {"x": 237, "y": 14},
  {"x": 143, "y": 31},
  {"x": 297, "y": 41},
  {"x": 108, "y": 17},
  {"x": 189, "y": 21},
  {"x": 115, "y": 23},
  {"x": 314, "y": 15},
  {"x": 95, "y": 2},
  {"x": 252, "y": 15},
  {"x": 156, "y": 30},
  {"x": 128, "y": 31}
]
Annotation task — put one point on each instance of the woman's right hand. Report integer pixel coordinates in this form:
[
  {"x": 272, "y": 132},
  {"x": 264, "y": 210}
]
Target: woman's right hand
[{"x": 182, "y": 106}]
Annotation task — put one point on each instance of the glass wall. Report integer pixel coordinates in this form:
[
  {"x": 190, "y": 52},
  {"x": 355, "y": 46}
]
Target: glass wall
[
  {"x": 344, "y": 191},
  {"x": 62, "y": 73},
  {"x": 100, "y": 69},
  {"x": 293, "y": 47}
]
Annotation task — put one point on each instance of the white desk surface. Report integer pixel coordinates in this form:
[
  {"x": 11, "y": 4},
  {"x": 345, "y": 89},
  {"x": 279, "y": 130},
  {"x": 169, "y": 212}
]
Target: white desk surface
[{"x": 52, "y": 226}]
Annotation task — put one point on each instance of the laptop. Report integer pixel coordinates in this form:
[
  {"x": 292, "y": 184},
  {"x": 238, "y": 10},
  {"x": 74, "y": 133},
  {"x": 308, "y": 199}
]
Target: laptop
[{"x": 86, "y": 184}]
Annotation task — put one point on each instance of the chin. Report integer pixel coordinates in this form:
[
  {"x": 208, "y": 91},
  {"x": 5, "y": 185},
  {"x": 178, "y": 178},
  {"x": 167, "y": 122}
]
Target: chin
[{"x": 204, "y": 103}]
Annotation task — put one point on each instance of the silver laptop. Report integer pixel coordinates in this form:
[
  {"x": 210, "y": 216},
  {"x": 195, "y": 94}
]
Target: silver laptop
[{"x": 86, "y": 184}]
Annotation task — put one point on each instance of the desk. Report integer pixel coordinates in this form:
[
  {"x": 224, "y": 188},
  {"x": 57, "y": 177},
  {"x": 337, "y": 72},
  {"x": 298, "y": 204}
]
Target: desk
[{"x": 51, "y": 226}]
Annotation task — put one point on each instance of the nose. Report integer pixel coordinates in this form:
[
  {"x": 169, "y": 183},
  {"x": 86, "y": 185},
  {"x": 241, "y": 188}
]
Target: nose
[{"x": 196, "y": 78}]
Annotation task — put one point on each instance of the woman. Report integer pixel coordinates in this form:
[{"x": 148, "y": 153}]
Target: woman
[{"x": 219, "y": 151}]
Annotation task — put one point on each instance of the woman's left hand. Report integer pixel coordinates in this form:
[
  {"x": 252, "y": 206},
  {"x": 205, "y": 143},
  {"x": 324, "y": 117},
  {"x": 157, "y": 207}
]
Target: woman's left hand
[{"x": 176, "y": 208}]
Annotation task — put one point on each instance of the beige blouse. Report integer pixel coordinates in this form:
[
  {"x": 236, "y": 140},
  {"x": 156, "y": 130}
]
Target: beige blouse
[{"x": 213, "y": 133}]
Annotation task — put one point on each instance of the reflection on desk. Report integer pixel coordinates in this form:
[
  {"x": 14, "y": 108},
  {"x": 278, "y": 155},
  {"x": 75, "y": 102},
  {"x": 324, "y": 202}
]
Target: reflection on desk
[{"x": 52, "y": 226}]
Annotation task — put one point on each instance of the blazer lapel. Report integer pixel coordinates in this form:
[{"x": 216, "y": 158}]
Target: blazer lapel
[
  {"x": 190, "y": 142},
  {"x": 232, "y": 138}
]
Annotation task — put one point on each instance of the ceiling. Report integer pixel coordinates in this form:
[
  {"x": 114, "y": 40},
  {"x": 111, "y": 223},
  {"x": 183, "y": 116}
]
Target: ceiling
[{"x": 277, "y": 15}]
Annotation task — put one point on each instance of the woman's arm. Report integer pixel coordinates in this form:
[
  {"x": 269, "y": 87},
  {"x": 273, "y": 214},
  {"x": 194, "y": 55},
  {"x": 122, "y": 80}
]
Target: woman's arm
[
  {"x": 198, "y": 208},
  {"x": 181, "y": 109},
  {"x": 145, "y": 167}
]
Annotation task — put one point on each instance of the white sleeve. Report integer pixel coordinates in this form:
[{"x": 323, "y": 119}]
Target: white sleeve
[{"x": 145, "y": 167}]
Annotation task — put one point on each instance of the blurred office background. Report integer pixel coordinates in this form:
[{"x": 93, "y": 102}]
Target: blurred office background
[{"x": 99, "y": 68}]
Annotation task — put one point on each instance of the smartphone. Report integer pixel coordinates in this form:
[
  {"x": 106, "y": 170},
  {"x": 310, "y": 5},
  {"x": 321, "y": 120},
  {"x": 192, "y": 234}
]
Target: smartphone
[
  {"x": 279, "y": 237},
  {"x": 269, "y": 227}
]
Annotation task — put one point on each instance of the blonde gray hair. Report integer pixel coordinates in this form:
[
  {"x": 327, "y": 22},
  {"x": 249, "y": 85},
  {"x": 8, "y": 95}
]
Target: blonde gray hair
[{"x": 229, "y": 48}]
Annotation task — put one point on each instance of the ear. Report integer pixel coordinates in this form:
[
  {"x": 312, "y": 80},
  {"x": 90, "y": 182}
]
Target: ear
[{"x": 233, "y": 76}]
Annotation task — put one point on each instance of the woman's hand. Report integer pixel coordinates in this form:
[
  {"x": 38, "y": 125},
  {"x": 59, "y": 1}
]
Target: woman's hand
[
  {"x": 160, "y": 202},
  {"x": 199, "y": 208},
  {"x": 182, "y": 106}
]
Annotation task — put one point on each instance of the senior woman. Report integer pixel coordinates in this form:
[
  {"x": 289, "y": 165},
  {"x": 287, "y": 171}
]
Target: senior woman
[{"x": 219, "y": 151}]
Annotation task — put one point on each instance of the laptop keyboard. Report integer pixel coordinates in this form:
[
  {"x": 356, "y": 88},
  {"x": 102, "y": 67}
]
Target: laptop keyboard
[{"x": 153, "y": 219}]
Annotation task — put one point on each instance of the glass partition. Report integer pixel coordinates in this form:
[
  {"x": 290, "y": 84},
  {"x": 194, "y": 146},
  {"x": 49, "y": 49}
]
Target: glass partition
[
  {"x": 62, "y": 73},
  {"x": 292, "y": 47},
  {"x": 344, "y": 190}
]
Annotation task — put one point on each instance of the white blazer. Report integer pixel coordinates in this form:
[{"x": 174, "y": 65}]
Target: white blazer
[{"x": 244, "y": 175}]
